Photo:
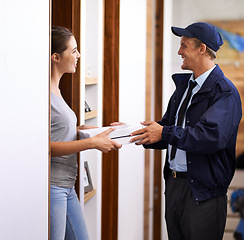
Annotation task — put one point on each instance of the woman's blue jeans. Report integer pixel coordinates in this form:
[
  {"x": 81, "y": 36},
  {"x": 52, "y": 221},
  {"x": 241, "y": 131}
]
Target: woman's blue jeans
[{"x": 66, "y": 217}]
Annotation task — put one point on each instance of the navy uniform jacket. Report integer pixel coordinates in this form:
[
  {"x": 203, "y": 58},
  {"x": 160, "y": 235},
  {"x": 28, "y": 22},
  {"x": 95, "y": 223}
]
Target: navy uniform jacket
[{"x": 209, "y": 136}]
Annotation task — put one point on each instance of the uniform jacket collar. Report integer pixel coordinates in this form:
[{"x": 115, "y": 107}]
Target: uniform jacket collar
[{"x": 181, "y": 80}]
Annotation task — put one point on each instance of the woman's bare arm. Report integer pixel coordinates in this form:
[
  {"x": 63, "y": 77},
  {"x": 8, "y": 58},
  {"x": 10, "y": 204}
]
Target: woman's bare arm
[{"x": 100, "y": 142}]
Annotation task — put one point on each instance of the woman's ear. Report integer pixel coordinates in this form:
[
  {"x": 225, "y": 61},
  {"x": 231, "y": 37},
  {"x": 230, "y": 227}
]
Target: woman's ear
[{"x": 55, "y": 57}]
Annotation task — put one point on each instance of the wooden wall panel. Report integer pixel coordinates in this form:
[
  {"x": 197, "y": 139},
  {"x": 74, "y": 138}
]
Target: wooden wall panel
[
  {"x": 110, "y": 114},
  {"x": 67, "y": 13},
  {"x": 62, "y": 16},
  {"x": 232, "y": 63}
]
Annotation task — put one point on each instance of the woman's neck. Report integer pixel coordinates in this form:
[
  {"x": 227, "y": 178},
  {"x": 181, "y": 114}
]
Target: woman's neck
[{"x": 55, "y": 79}]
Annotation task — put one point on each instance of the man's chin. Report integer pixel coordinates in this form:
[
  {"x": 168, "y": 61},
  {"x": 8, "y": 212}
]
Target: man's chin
[{"x": 183, "y": 67}]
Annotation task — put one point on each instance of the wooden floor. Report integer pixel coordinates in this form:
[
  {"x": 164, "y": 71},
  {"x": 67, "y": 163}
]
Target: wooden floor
[{"x": 233, "y": 218}]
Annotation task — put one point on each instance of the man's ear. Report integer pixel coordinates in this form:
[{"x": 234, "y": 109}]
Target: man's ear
[
  {"x": 203, "y": 48},
  {"x": 55, "y": 57}
]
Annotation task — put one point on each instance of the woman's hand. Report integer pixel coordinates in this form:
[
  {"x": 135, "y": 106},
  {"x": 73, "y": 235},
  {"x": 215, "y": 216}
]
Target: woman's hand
[{"x": 104, "y": 143}]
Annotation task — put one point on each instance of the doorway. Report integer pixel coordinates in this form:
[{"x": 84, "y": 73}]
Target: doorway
[{"x": 66, "y": 13}]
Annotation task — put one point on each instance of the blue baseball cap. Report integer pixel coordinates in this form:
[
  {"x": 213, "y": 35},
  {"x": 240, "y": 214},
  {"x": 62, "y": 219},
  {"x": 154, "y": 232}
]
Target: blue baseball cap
[{"x": 202, "y": 31}]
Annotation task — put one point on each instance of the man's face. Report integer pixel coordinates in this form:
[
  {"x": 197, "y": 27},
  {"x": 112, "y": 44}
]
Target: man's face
[{"x": 189, "y": 54}]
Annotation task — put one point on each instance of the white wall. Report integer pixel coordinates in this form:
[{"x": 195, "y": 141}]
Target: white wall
[
  {"x": 92, "y": 56},
  {"x": 132, "y": 110},
  {"x": 24, "y": 65}
]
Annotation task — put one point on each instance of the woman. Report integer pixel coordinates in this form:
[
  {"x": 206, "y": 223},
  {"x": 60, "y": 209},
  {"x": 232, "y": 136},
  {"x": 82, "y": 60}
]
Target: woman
[{"x": 67, "y": 220}]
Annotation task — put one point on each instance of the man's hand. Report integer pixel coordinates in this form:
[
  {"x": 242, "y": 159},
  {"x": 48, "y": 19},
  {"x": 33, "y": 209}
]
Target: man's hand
[
  {"x": 83, "y": 127},
  {"x": 148, "y": 135},
  {"x": 117, "y": 123}
]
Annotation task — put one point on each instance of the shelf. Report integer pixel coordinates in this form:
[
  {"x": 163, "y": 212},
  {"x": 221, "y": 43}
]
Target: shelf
[
  {"x": 91, "y": 81},
  {"x": 90, "y": 115},
  {"x": 89, "y": 195}
]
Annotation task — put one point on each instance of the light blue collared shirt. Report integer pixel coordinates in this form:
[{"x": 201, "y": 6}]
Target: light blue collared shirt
[{"x": 179, "y": 162}]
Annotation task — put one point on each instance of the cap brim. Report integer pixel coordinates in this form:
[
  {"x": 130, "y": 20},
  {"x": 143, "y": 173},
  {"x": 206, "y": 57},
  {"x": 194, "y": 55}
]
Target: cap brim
[{"x": 181, "y": 32}]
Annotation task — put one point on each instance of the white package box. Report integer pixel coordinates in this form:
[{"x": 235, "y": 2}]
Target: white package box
[{"x": 121, "y": 134}]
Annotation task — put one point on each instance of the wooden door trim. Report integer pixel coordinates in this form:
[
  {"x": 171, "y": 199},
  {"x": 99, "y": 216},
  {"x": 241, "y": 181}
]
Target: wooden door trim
[
  {"x": 148, "y": 117},
  {"x": 76, "y": 29},
  {"x": 157, "y": 191},
  {"x": 49, "y": 118}
]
